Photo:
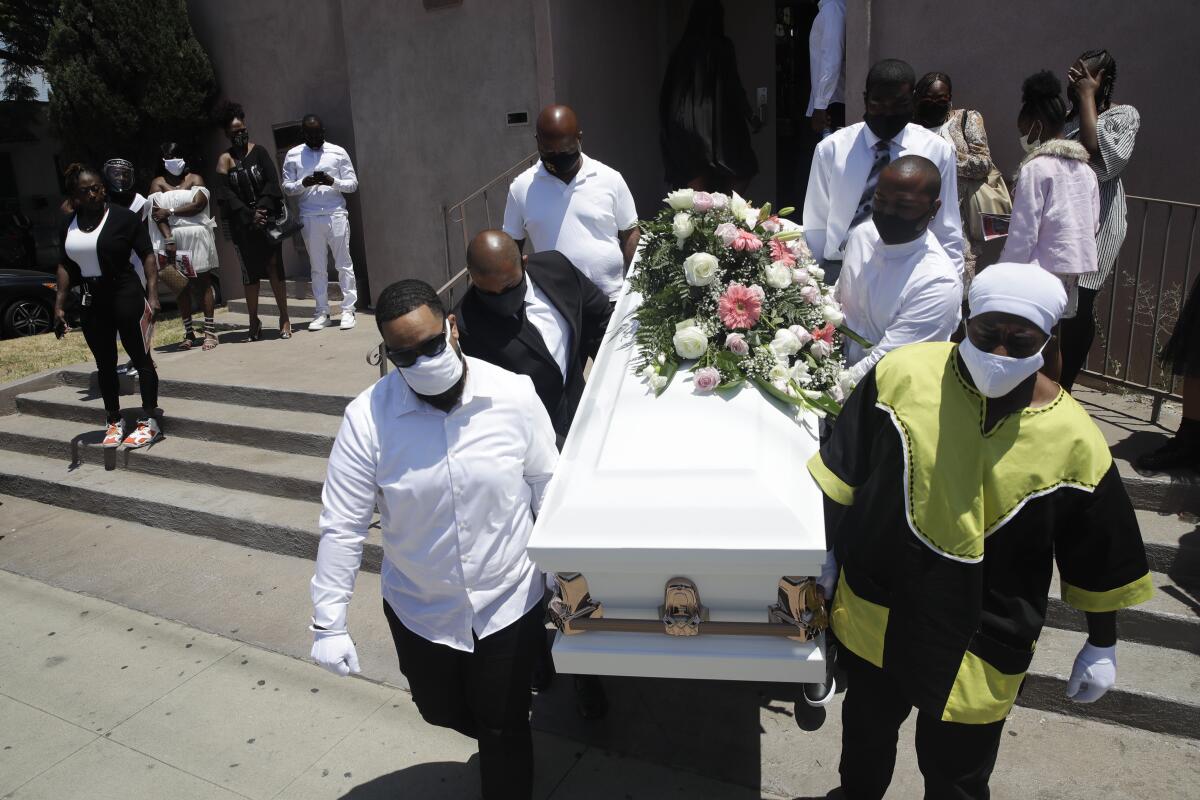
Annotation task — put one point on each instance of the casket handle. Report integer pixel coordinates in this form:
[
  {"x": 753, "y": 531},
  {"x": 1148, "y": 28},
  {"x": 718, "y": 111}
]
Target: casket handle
[
  {"x": 801, "y": 605},
  {"x": 572, "y": 603}
]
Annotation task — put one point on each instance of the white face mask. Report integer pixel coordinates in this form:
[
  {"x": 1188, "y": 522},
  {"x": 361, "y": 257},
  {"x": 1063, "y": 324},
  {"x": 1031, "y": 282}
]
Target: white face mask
[
  {"x": 432, "y": 375},
  {"x": 174, "y": 165},
  {"x": 996, "y": 376},
  {"x": 1029, "y": 146}
]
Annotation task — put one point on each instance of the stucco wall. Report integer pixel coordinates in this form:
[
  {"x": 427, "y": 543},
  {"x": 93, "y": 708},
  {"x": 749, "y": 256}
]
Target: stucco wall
[
  {"x": 988, "y": 52},
  {"x": 279, "y": 64}
]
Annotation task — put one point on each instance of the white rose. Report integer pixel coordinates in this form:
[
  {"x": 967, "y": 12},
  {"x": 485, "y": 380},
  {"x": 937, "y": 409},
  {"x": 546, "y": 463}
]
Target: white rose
[
  {"x": 778, "y": 275},
  {"x": 683, "y": 225},
  {"x": 658, "y": 382},
  {"x": 690, "y": 343},
  {"x": 680, "y": 199},
  {"x": 778, "y": 374},
  {"x": 833, "y": 315},
  {"x": 785, "y": 343},
  {"x": 720, "y": 201},
  {"x": 816, "y": 272},
  {"x": 700, "y": 269},
  {"x": 821, "y": 349}
]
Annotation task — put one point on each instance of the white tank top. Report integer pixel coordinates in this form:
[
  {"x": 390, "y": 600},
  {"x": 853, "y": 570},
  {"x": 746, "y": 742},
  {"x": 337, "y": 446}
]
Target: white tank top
[{"x": 81, "y": 247}]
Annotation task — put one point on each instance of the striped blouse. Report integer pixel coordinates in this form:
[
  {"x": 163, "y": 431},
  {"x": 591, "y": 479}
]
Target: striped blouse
[{"x": 1116, "y": 130}]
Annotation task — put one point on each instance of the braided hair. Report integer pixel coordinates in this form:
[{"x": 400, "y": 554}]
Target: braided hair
[
  {"x": 1041, "y": 99},
  {"x": 1095, "y": 61},
  {"x": 929, "y": 79}
]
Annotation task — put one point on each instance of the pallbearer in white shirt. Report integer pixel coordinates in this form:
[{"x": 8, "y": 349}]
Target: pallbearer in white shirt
[
  {"x": 898, "y": 286},
  {"x": 846, "y": 167},
  {"x": 319, "y": 173},
  {"x": 574, "y": 204},
  {"x": 457, "y": 454},
  {"x": 827, "y": 67}
]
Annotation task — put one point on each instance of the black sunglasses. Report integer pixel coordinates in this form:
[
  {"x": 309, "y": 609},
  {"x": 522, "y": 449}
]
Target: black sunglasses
[{"x": 407, "y": 357}]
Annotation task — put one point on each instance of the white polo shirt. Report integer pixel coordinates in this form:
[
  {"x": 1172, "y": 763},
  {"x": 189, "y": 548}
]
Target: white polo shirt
[{"x": 579, "y": 219}]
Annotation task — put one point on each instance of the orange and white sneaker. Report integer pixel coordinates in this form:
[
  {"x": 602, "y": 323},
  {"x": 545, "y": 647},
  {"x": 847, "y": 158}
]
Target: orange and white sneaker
[
  {"x": 146, "y": 432},
  {"x": 115, "y": 433}
]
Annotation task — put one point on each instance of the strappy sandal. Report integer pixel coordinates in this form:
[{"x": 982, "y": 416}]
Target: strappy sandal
[
  {"x": 187, "y": 344},
  {"x": 255, "y": 330},
  {"x": 285, "y": 330},
  {"x": 210, "y": 341}
]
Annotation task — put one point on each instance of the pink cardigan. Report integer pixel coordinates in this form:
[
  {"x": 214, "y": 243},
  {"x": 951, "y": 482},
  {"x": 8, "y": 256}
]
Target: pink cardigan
[{"x": 1056, "y": 211}]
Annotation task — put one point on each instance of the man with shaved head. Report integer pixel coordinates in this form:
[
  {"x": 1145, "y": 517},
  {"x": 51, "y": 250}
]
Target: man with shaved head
[
  {"x": 898, "y": 285},
  {"x": 536, "y": 316},
  {"x": 319, "y": 173},
  {"x": 574, "y": 204}
]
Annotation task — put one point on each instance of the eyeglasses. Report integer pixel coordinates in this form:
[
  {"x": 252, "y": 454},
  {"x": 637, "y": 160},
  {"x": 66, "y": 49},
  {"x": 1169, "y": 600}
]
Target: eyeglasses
[{"x": 429, "y": 348}]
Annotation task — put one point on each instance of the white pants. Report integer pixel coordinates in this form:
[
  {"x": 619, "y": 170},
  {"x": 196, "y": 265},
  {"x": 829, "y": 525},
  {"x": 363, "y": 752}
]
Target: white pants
[{"x": 322, "y": 234}]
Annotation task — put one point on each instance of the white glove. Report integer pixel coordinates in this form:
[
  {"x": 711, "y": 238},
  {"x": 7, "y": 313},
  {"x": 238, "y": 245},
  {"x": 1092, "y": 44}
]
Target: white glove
[
  {"x": 1094, "y": 673},
  {"x": 829, "y": 574},
  {"x": 334, "y": 650}
]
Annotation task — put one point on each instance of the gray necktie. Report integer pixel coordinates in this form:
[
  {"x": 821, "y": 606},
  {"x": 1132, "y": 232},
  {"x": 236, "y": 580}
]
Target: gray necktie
[{"x": 883, "y": 155}]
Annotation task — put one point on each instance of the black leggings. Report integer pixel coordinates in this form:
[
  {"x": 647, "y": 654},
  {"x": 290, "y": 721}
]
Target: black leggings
[
  {"x": 119, "y": 311},
  {"x": 1076, "y": 336}
]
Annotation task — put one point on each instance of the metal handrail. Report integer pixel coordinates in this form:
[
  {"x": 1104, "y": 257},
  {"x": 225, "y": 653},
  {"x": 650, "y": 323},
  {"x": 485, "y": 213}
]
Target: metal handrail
[{"x": 1136, "y": 291}]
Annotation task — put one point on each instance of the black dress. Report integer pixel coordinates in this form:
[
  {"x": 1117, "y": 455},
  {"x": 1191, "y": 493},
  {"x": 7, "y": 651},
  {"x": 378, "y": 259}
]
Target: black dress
[
  {"x": 1183, "y": 349},
  {"x": 253, "y": 183}
]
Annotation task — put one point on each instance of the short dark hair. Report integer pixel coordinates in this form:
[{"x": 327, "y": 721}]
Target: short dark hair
[
  {"x": 309, "y": 118},
  {"x": 920, "y": 165},
  {"x": 929, "y": 79},
  {"x": 73, "y": 173},
  {"x": 172, "y": 150},
  {"x": 1041, "y": 98},
  {"x": 890, "y": 72},
  {"x": 404, "y": 297},
  {"x": 227, "y": 113}
]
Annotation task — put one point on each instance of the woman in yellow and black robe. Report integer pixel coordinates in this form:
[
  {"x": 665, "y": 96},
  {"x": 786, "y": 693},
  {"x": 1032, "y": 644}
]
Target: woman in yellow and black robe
[{"x": 947, "y": 533}]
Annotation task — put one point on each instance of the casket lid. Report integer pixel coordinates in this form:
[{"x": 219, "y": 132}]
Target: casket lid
[{"x": 679, "y": 481}]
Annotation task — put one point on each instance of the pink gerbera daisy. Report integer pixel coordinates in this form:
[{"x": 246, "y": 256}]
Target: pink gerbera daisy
[
  {"x": 780, "y": 252},
  {"x": 824, "y": 334},
  {"x": 739, "y": 307}
]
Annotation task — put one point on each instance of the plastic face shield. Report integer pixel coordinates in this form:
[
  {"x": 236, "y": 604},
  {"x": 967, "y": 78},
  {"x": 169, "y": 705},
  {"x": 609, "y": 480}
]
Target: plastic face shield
[{"x": 118, "y": 175}]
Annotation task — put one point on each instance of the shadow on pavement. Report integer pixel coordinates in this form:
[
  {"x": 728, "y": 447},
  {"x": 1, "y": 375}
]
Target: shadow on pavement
[{"x": 435, "y": 779}]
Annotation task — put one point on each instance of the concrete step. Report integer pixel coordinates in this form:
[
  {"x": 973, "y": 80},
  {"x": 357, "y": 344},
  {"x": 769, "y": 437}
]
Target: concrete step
[
  {"x": 302, "y": 290},
  {"x": 1158, "y": 688},
  {"x": 1171, "y": 618},
  {"x": 283, "y": 431},
  {"x": 84, "y": 377},
  {"x": 1164, "y": 493},
  {"x": 273, "y": 524},
  {"x": 230, "y": 466},
  {"x": 1172, "y": 541},
  {"x": 299, "y": 310}
]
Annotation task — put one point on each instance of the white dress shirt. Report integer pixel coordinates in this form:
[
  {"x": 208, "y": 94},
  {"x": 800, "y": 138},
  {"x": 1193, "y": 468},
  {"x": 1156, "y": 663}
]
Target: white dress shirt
[
  {"x": 457, "y": 495},
  {"x": 826, "y": 62},
  {"x": 549, "y": 323},
  {"x": 580, "y": 219},
  {"x": 896, "y": 294},
  {"x": 839, "y": 173},
  {"x": 319, "y": 200}
]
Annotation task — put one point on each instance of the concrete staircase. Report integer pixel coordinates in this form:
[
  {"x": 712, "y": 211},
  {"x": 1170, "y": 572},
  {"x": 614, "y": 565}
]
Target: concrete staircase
[{"x": 244, "y": 464}]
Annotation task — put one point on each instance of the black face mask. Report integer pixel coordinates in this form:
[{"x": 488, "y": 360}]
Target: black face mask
[
  {"x": 931, "y": 113},
  {"x": 561, "y": 163},
  {"x": 886, "y": 126},
  {"x": 314, "y": 140},
  {"x": 240, "y": 139},
  {"x": 895, "y": 229},
  {"x": 506, "y": 304}
]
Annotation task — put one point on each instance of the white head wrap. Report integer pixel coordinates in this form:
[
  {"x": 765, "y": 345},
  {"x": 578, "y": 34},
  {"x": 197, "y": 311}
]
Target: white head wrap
[{"x": 1025, "y": 290}]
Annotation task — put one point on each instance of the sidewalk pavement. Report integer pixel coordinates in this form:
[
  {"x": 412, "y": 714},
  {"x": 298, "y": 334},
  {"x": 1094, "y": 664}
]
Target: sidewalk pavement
[{"x": 99, "y": 701}]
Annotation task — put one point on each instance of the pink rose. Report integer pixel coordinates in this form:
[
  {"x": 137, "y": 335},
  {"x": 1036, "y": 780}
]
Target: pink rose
[
  {"x": 801, "y": 333},
  {"x": 706, "y": 379},
  {"x": 799, "y": 249},
  {"x": 701, "y": 202},
  {"x": 758, "y": 292},
  {"x": 811, "y": 294},
  {"x": 771, "y": 224},
  {"x": 746, "y": 242},
  {"x": 737, "y": 344},
  {"x": 727, "y": 232},
  {"x": 801, "y": 276}
]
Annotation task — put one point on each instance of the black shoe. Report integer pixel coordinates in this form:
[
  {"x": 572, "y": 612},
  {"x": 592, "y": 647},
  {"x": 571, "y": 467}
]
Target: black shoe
[
  {"x": 819, "y": 694},
  {"x": 543, "y": 675},
  {"x": 590, "y": 700},
  {"x": 1174, "y": 455}
]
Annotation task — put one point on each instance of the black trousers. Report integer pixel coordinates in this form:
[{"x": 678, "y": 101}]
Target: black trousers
[
  {"x": 955, "y": 759},
  {"x": 117, "y": 309},
  {"x": 1076, "y": 336},
  {"x": 484, "y": 695}
]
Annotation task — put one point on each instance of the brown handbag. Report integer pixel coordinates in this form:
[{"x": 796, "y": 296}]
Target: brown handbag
[
  {"x": 170, "y": 276},
  {"x": 990, "y": 196}
]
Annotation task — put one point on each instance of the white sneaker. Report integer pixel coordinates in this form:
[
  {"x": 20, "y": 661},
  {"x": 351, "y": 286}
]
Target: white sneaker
[
  {"x": 348, "y": 320},
  {"x": 320, "y": 322},
  {"x": 146, "y": 432},
  {"x": 115, "y": 434}
]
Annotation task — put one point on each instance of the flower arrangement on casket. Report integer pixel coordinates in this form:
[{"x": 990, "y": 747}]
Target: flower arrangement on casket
[{"x": 734, "y": 289}]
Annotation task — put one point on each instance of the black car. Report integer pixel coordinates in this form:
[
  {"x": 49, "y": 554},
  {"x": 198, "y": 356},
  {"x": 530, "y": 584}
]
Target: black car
[{"x": 26, "y": 302}]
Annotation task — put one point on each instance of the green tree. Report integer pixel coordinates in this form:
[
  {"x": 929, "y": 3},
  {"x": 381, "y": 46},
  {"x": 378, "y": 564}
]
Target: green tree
[
  {"x": 126, "y": 75},
  {"x": 24, "y": 30}
]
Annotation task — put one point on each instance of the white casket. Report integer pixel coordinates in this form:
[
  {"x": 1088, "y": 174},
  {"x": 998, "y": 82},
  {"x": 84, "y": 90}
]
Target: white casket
[{"x": 713, "y": 489}]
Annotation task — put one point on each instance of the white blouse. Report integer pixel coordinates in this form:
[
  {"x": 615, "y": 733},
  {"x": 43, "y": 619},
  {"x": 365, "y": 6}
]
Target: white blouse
[{"x": 81, "y": 247}]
